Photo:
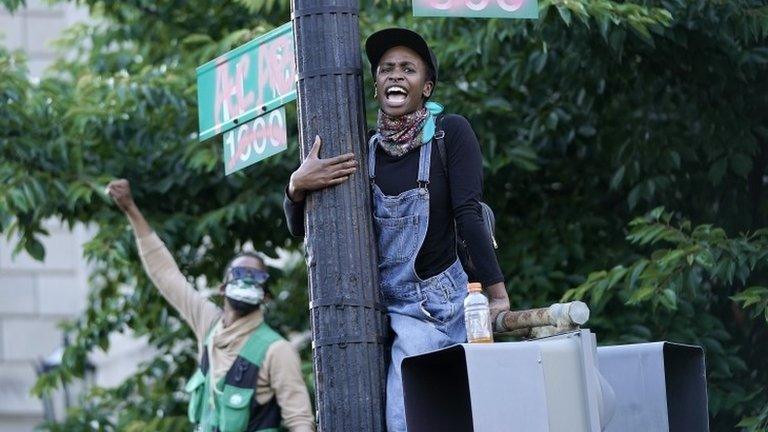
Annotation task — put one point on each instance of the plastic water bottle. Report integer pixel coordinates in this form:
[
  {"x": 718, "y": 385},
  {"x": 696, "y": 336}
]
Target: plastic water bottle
[{"x": 477, "y": 315}]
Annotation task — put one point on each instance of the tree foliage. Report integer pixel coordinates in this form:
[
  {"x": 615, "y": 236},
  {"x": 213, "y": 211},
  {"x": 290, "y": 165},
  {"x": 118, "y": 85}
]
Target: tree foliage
[
  {"x": 595, "y": 113},
  {"x": 681, "y": 292}
]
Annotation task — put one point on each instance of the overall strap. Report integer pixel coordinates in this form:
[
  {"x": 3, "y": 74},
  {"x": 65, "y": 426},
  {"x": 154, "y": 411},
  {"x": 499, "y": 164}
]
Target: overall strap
[
  {"x": 372, "y": 143},
  {"x": 425, "y": 158},
  {"x": 439, "y": 140}
]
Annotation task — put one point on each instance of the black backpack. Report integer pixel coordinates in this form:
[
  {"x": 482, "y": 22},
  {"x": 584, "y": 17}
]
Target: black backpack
[{"x": 489, "y": 219}]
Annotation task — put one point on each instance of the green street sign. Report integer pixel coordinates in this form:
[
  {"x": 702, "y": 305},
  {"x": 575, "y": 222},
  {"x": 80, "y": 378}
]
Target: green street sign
[
  {"x": 256, "y": 140},
  {"x": 527, "y": 9},
  {"x": 247, "y": 82}
]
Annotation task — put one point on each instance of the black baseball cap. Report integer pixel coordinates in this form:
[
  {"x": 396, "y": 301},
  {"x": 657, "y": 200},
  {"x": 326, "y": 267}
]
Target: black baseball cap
[{"x": 378, "y": 43}]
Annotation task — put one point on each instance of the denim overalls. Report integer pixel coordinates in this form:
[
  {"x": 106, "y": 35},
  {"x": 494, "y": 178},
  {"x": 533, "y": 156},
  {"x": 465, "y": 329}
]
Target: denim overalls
[{"x": 424, "y": 314}]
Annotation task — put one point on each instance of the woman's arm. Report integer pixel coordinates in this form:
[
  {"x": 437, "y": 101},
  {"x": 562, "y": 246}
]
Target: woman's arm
[
  {"x": 465, "y": 177},
  {"x": 161, "y": 267},
  {"x": 294, "y": 214}
]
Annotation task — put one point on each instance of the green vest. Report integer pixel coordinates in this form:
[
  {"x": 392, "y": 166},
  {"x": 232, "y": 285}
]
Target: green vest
[{"x": 234, "y": 407}]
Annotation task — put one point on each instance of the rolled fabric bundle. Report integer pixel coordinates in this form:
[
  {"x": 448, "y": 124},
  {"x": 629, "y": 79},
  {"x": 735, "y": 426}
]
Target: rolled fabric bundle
[{"x": 561, "y": 315}]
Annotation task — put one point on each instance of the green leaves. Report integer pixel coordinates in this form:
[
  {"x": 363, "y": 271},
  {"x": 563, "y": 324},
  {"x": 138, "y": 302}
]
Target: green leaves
[
  {"x": 34, "y": 248},
  {"x": 661, "y": 277},
  {"x": 524, "y": 157},
  {"x": 12, "y": 5},
  {"x": 596, "y": 112},
  {"x": 640, "y": 18},
  {"x": 741, "y": 164},
  {"x": 700, "y": 265},
  {"x": 640, "y": 295},
  {"x": 717, "y": 171},
  {"x": 618, "y": 176},
  {"x": 756, "y": 423},
  {"x": 754, "y": 299}
]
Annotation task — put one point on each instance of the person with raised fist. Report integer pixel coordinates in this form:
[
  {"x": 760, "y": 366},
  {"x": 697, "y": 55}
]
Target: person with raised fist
[{"x": 249, "y": 377}]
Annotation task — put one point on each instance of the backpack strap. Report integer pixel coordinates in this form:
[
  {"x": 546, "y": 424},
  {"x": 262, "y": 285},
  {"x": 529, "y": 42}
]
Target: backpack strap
[{"x": 439, "y": 139}]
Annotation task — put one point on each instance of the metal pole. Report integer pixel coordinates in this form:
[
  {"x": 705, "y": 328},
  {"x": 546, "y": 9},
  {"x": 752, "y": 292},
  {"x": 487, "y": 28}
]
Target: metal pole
[{"x": 348, "y": 323}]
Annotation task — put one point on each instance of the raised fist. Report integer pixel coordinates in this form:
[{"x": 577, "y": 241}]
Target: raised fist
[{"x": 120, "y": 191}]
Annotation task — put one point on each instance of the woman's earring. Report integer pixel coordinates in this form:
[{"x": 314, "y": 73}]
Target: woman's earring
[{"x": 375, "y": 91}]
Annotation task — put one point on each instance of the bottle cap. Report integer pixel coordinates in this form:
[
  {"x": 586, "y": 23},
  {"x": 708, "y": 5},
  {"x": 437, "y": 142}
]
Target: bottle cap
[{"x": 474, "y": 287}]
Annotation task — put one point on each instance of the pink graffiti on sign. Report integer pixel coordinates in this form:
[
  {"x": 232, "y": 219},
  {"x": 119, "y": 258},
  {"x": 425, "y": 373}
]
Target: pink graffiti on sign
[
  {"x": 510, "y": 5},
  {"x": 256, "y": 136},
  {"x": 231, "y": 100},
  {"x": 475, "y": 5},
  {"x": 277, "y": 68},
  {"x": 442, "y": 4}
]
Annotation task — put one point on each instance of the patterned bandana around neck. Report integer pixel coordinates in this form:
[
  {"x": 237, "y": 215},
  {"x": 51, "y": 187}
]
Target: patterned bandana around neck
[{"x": 401, "y": 134}]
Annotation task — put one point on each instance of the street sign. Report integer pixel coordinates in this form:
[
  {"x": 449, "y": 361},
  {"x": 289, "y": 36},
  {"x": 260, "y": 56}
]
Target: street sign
[
  {"x": 246, "y": 82},
  {"x": 256, "y": 140},
  {"x": 527, "y": 9},
  {"x": 237, "y": 88}
]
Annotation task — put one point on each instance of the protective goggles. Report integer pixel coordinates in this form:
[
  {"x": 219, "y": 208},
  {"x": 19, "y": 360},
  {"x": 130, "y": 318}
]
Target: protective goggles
[
  {"x": 246, "y": 284},
  {"x": 248, "y": 274}
]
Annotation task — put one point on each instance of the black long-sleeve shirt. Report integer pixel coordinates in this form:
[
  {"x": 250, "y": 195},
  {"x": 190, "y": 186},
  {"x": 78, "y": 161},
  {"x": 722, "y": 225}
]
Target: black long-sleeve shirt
[{"x": 455, "y": 198}]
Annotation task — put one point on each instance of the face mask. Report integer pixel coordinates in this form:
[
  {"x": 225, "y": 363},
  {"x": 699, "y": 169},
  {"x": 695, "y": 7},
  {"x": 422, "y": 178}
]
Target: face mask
[
  {"x": 246, "y": 284},
  {"x": 245, "y": 292}
]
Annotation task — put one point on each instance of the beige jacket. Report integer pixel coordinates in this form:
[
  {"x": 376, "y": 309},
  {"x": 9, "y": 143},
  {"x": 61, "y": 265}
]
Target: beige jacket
[{"x": 280, "y": 374}]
